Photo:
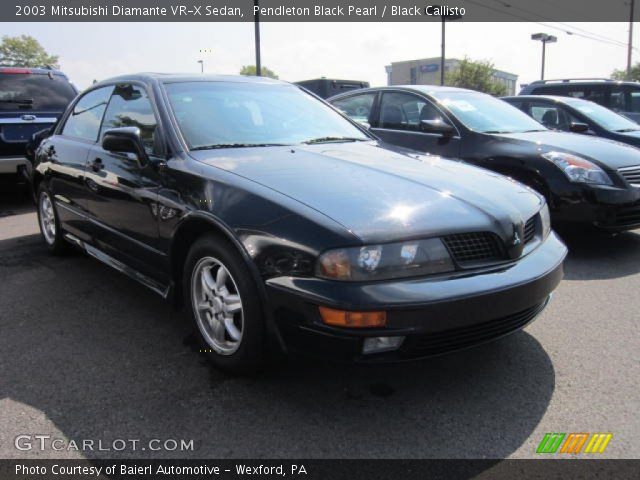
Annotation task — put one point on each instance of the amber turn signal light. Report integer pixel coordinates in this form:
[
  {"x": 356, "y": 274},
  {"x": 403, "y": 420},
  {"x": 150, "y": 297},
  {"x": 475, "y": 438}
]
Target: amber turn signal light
[{"x": 344, "y": 318}]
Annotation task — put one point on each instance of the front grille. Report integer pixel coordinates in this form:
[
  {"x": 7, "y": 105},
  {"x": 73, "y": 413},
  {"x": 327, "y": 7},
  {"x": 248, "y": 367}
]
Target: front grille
[
  {"x": 631, "y": 174},
  {"x": 530, "y": 229},
  {"x": 475, "y": 248},
  {"x": 458, "y": 338}
]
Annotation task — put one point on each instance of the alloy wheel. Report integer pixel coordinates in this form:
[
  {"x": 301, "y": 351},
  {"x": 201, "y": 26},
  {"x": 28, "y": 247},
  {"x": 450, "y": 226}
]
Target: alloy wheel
[
  {"x": 217, "y": 305},
  {"x": 47, "y": 218}
]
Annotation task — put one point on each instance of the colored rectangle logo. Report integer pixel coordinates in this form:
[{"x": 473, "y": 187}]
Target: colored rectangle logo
[{"x": 573, "y": 443}]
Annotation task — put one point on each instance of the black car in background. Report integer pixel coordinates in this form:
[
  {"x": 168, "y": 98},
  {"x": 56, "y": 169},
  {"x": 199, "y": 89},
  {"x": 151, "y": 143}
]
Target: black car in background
[
  {"x": 282, "y": 223},
  {"x": 31, "y": 99},
  {"x": 619, "y": 96},
  {"x": 586, "y": 180},
  {"x": 328, "y": 87},
  {"x": 570, "y": 114}
]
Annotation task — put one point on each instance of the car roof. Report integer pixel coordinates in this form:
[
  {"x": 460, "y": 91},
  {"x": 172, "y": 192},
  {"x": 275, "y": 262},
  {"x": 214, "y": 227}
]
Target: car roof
[
  {"x": 151, "y": 77},
  {"x": 423, "y": 89},
  {"x": 552, "y": 98},
  {"x": 580, "y": 81}
]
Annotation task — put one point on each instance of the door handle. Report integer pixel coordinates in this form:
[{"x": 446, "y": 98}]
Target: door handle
[{"x": 97, "y": 165}]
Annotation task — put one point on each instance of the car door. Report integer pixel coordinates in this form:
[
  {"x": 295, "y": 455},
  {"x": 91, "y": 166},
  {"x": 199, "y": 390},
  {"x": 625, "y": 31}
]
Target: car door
[
  {"x": 123, "y": 189},
  {"x": 399, "y": 119},
  {"x": 65, "y": 155}
]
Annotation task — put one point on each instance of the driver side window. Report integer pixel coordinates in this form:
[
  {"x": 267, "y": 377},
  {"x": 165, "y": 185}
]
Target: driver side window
[
  {"x": 404, "y": 111},
  {"x": 552, "y": 116},
  {"x": 130, "y": 107}
]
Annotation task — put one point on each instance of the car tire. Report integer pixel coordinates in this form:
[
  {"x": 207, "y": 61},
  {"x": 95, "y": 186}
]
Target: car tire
[
  {"x": 49, "y": 223},
  {"x": 224, "y": 306}
]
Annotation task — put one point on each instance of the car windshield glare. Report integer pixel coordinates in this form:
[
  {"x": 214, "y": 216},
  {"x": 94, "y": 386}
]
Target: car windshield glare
[
  {"x": 604, "y": 117},
  {"x": 235, "y": 114},
  {"x": 486, "y": 114}
]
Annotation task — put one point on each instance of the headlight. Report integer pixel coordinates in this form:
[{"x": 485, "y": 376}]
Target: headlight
[
  {"x": 381, "y": 262},
  {"x": 578, "y": 169},
  {"x": 545, "y": 219}
]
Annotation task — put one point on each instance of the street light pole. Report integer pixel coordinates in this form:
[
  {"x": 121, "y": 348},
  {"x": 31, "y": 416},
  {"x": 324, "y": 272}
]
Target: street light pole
[
  {"x": 256, "y": 3},
  {"x": 544, "y": 38},
  {"x": 201, "y": 62},
  {"x": 629, "y": 47},
  {"x": 544, "y": 51},
  {"x": 444, "y": 18}
]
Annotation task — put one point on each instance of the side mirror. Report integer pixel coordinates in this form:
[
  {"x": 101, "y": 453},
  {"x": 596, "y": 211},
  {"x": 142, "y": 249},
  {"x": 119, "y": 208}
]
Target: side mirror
[
  {"x": 577, "y": 127},
  {"x": 125, "y": 140},
  {"x": 437, "y": 126}
]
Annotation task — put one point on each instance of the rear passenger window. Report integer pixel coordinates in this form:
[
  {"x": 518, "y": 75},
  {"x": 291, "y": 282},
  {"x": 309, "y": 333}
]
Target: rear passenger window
[
  {"x": 130, "y": 107},
  {"x": 84, "y": 120}
]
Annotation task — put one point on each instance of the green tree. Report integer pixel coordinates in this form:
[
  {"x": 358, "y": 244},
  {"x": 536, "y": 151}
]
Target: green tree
[
  {"x": 622, "y": 74},
  {"x": 250, "y": 70},
  {"x": 475, "y": 75},
  {"x": 25, "y": 51}
]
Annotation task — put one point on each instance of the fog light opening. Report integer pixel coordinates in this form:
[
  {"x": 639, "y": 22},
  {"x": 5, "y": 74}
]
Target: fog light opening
[{"x": 381, "y": 344}]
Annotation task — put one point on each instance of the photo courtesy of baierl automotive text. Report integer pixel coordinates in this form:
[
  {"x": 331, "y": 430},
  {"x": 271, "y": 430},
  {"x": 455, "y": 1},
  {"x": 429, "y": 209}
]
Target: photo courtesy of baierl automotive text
[{"x": 337, "y": 239}]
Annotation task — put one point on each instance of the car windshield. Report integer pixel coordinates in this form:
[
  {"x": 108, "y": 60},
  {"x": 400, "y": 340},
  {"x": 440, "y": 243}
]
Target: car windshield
[
  {"x": 486, "y": 114},
  {"x": 238, "y": 114},
  {"x": 25, "y": 91},
  {"x": 604, "y": 117}
]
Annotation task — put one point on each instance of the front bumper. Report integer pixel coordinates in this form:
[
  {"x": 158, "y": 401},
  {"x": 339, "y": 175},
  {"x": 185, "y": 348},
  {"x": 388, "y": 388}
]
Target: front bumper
[
  {"x": 610, "y": 208},
  {"x": 436, "y": 314}
]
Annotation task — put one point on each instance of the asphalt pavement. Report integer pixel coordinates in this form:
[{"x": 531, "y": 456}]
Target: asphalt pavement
[{"x": 88, "y": 354}]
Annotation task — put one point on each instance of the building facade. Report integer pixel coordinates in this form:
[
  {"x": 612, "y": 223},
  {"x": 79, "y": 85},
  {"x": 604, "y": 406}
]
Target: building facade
[{"x": 426, "y": 71}]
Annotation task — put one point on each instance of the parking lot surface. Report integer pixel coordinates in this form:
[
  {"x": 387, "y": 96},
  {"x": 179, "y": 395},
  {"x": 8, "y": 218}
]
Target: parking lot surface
[{"x": 86, "y": 353}]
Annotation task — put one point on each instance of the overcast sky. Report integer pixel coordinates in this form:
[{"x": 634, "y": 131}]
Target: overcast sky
[{"x": 299, "y": 51}]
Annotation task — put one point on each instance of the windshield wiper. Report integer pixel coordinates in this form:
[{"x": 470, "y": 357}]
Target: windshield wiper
[
  {"x": 236, "y": 145},
  {"x": 625, "y": 130},
  {"x": 333, "y": 140},
  {"x": 496, "y": 131},
  {"x": 22, "y": 101}
]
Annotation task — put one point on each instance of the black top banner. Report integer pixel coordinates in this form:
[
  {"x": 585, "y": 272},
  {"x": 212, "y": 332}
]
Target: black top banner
[{"x": 316, "y": 11}]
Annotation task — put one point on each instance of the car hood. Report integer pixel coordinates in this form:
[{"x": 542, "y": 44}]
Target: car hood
[
  {"x": 609, "y": 154},
  {"x": 385, "y": 194}
]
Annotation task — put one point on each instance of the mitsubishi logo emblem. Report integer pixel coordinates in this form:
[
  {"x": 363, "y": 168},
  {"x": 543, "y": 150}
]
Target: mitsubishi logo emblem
[{"x": 516, "y": 238}]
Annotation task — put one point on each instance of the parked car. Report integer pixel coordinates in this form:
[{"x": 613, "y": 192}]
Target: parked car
[
  {"x": 585, "y": 180},
  {"x": 621, "y": 97},
  {"x": 328, "y": 87},
  {"x": 570, "y": 114},
  {"x": 280, "y": 222},
  {"x": 31, "y": 99}
]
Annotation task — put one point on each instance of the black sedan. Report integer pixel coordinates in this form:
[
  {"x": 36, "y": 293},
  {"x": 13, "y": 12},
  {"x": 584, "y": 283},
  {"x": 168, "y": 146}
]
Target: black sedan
[
  {"x": 569, "y": 114},
  {"x": 585, "y": 180},
  {"x": 282, "y": 224}
]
